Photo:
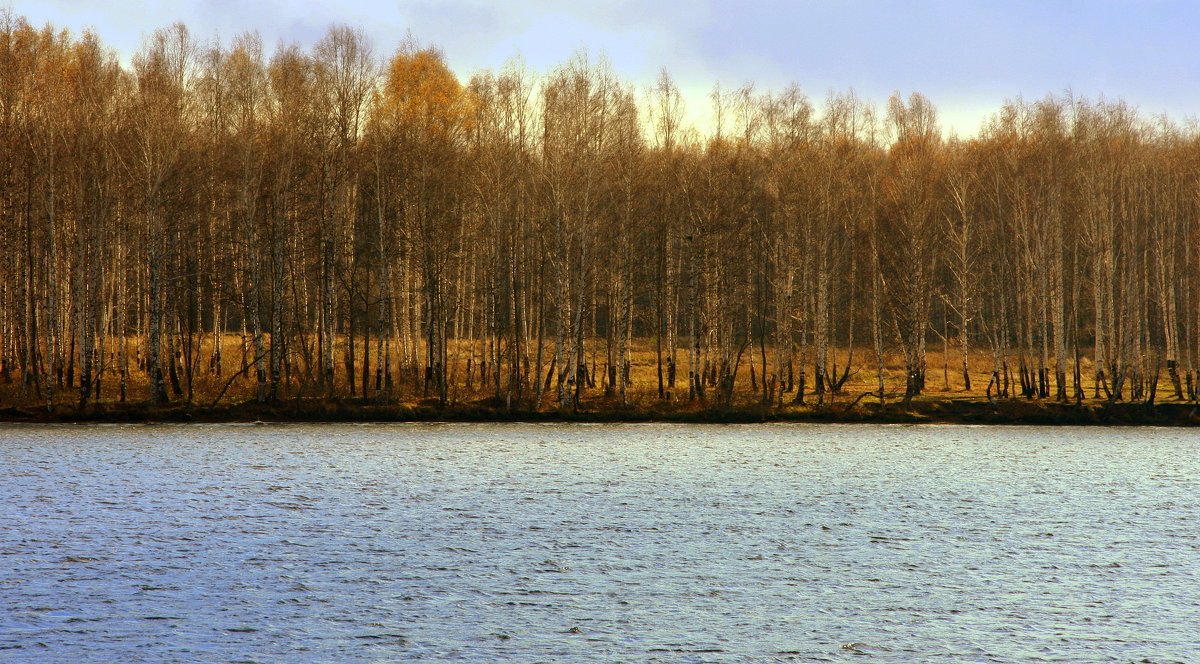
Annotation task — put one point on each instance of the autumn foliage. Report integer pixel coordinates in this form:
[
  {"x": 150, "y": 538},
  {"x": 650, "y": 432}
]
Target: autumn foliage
[{"x": 214, "y": 222}]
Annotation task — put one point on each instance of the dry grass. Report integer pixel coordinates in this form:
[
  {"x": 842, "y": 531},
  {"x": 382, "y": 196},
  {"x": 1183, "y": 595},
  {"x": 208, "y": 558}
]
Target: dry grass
[{"x": 943, "y": 381}]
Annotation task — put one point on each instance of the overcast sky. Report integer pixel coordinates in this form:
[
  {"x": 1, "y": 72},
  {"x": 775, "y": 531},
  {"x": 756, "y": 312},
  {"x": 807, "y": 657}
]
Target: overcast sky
[{"x": 968, "y": 56}]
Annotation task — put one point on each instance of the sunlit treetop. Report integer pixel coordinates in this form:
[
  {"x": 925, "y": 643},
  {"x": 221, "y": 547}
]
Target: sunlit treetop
[{"x": 419, "y": 92}]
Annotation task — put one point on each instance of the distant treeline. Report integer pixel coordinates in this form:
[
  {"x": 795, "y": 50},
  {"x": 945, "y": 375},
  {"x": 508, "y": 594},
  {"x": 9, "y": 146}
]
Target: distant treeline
[{"x": 372, "y": 226}]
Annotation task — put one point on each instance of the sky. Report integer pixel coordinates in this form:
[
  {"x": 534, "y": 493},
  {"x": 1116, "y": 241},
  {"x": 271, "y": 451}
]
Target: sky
[{"x": 967, "y": 56}]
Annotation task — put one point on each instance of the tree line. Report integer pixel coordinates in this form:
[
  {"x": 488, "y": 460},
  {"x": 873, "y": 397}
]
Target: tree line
[{"x": 329, "y": 223}]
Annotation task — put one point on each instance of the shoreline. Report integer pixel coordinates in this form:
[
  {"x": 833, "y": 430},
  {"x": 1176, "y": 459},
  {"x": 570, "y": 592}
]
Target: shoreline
[{"x": 921, "y": 411}]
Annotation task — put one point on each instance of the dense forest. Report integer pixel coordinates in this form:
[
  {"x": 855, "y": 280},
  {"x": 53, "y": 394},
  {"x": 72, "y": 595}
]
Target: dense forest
[{"x": 205, "y": 221}]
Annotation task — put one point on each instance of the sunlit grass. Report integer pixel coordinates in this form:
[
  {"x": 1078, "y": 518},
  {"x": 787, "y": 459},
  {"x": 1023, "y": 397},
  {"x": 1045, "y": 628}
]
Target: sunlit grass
[{"x": 227, "y": 383}]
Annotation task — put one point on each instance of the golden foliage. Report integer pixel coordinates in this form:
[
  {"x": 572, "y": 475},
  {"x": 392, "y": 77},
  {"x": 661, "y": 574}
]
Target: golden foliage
[{"x": 420, "y": 93}]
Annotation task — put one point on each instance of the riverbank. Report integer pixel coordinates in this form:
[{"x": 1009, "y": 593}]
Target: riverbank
[{"x": 933, "y": 410}]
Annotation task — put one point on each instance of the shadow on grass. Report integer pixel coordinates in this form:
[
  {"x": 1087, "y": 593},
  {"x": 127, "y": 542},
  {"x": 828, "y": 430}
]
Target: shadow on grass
[{"x": 925, "y": 410}]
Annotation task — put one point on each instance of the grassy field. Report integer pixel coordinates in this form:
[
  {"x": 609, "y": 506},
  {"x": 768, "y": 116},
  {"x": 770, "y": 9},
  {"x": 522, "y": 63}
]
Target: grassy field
[{"x": 230, "y": 395}]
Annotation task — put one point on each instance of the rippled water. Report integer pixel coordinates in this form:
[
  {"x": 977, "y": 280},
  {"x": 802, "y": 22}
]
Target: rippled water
[{"x": 590, "y": 543}]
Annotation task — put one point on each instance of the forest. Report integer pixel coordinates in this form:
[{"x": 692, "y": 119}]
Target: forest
[{"x": 203, "y": 222}]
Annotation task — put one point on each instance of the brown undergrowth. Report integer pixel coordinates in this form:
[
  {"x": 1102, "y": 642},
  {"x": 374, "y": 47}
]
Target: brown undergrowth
[{"x": 945, "y": 399}]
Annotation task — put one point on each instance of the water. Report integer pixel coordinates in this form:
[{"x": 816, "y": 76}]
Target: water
[{"x": 598, "y": 543}]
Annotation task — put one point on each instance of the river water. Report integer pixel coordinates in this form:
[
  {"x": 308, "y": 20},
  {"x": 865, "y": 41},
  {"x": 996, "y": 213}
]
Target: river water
[{"x": 598, "y": 543}]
